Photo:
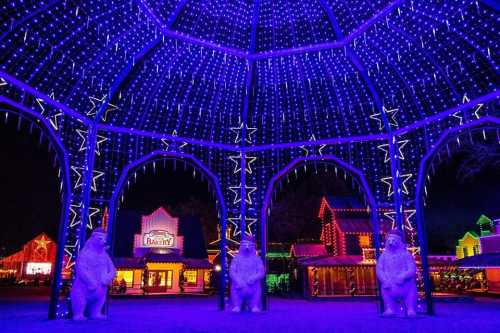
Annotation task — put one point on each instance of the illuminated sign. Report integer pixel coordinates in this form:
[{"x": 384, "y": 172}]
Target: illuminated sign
[
  {"x": 158, "y": 238},
  {"x": 33, "y": 268}
]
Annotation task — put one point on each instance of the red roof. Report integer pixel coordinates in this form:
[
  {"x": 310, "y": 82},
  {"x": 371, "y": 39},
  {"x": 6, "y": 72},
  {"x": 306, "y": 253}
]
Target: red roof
[
  {"x": 330, "y": 260},
  {"x": 361, "y": 225},
  {"x": 307, "y": 250},
  {"x": 355, "y": 225}
]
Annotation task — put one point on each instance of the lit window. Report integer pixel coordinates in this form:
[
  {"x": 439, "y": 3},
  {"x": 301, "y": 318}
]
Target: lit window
[
  {"x": 128, "y": 276},
  {"x": 190, "y": 277},
  {"x": 364, "y": 241}
]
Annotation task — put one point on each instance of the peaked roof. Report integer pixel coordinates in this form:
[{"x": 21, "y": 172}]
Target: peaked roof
[
  {"x": 307, "y": 250},
  {"x": 483, "y": 219},
  {"x": 472, "y": 234},
  {"x": 330, "y": 260},
  {"x": 344, "y": 202}
]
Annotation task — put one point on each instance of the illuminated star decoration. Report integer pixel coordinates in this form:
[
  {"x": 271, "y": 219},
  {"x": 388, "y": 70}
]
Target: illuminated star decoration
[
  {"x": 42, "y": 243},
  {"x": 237, "y": 163},
  {"x": 388, "y": 181},
  {"x": 237, "y": 192},
  {"x": 166, "y": 142},
  {"x": 236, "y": 222},
  {"x": 239, "y": 130},
  {"x": 54, "y": 118},
  {"x": 2, "y": 82},
  {"x": 96, "y": 175},
  {"x": 478, "y": 107},
  {"x": 41, "y": 103},
  {"x": 96, "y": 103},
  {"x": 69, "y": 252},
  {"x": 83, "y": 146},
  {"x": 229, "y": 239},
  {"x": 391, "y": 113},
  {"x": 385, "y": 148},
  {"x": 74, "y": 212},
  {"x": 407, "y": 224},
  {"x": 306, "y": 150},
  {"x": 92, "y": 211}
]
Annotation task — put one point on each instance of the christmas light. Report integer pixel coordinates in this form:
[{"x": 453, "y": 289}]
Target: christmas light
[{"x": 372, "y": 88}]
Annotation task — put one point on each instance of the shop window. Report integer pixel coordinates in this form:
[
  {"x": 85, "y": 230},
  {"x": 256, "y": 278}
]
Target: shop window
[
  {"x": 206, "y": 278},
  {"x": 170, "y": 275},
  {"x": 128, "y": 276},
  {"x": 190, "y": 277}
]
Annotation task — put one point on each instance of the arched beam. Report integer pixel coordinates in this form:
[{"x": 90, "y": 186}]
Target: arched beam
[
  {"x": 422, "y": 172},
  {"x": 63, "y": 158}
]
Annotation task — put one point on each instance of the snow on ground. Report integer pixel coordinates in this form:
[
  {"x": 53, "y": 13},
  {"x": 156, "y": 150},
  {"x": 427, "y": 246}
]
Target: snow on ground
[{"x": 201, "y": 315}]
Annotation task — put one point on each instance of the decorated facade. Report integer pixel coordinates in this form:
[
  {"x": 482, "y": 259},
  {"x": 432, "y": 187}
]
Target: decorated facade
[
  {"x": 158, "y": 265},
  {"x": 35, "y": 260},
  {"x": 485, "y": 263}
]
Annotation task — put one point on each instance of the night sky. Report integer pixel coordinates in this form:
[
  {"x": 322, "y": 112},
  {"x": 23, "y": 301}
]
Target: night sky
[{"x": 30, "y": 199}]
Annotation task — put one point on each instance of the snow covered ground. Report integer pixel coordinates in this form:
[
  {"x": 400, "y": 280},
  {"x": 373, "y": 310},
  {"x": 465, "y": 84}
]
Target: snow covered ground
[{"x": 201, "y": 315}]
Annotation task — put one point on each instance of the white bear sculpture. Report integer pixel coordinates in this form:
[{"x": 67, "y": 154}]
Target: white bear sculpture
[
  {"x": 396, "y": 271},
  {"x": 246, "y": 272},
  {"x": 94, "y": 273}
]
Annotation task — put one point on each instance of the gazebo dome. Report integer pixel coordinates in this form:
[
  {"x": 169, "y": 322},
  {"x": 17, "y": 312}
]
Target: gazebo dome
[{"x": 295, "y": 69}]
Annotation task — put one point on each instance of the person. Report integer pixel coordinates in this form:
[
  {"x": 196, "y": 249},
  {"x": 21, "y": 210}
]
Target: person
[{"x": 123, "y": 286}]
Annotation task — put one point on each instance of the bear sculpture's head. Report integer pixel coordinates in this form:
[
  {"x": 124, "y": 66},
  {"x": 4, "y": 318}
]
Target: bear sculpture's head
[
  {"x": 97, "y": 241},
  {"x": 247, "y": 246},
  {"x": 394, "y": 241}
]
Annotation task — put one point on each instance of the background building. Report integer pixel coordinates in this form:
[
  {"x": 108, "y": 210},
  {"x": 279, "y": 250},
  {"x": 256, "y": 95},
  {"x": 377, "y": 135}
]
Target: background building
[
  {"x": 34, "y": 261},
  {"x": 158, "y": 265}
]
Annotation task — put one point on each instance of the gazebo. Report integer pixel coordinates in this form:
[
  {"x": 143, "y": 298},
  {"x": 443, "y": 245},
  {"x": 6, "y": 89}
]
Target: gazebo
[{"x": 245, "y": 92}]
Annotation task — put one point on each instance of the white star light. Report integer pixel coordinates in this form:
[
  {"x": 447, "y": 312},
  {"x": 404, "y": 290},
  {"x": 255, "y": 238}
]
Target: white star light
[
  {"x": 67, "y": 248},
  {"x": 96, "y": 103},
  {"x": 250, "y": 223},
  {"x": 2, "y": 82},
  {"x": 391, "y": 113},
  {"x": 407, "y": 225},
  {"x": 237, "y": 163},
  {"x": 96, "y": 175},
  {"x": 83, "y": 146},
  {"x": 92, "y": 211},
  {"x": 236, "y": 222},
  {"x": 466, "y": 99},
  {"x": 388, "y": 181},
  {"x": 74, "y": 211},
  {"x": 54, "y": 120},
  {"x": 237, "y": 193},
  {"x": 238, "y": 131},
  {"x": 306, "y": 150},
  {"x": 385, "y": 148},
  {"x": 41, "y": 103},
  {"x": 166, "y": 142}
]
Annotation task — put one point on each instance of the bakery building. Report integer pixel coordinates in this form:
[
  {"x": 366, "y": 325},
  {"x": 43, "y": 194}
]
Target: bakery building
[{"x": 158, "y": 265}]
